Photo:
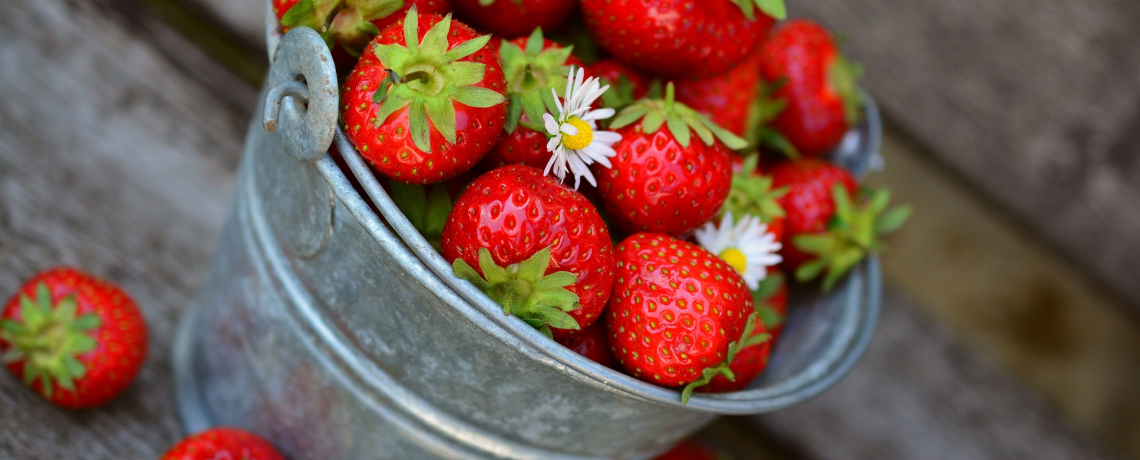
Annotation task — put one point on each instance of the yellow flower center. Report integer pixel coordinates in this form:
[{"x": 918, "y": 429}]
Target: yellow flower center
[
  {"x": 581, "y": 140},
  {"x": 736, "y": 259}
]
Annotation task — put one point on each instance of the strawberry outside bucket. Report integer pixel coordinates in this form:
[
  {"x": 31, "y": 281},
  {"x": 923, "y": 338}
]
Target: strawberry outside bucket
[{"x": 329, "y": 326}]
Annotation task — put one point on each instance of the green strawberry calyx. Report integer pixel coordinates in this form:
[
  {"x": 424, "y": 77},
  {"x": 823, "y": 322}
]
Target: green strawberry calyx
[
  {"x": 348, "y": 22},
  {"x": 428, "y": 78},
  {"x": 531, "y": 74},
  {"x": 524, "y": 291},
  {"x": 752, "y": 194},
  {"x": 843, "y": 75},
  {"x": 680, "y": 118},
  {"x": 854, "y": 232},
  {"x": 425, "y": 206},
  {"x": 766, "y": 109},
  {"x": 747, "y": 339},
  {"x": 774, "y": 8},
  {"x": 48, "y": 339},
  {"x": 768, "y": 288}
]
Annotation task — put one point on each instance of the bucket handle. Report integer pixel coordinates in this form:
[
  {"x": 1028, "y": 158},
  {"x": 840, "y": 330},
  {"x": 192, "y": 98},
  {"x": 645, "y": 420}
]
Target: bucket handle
[{"x": 302, "y": 97}]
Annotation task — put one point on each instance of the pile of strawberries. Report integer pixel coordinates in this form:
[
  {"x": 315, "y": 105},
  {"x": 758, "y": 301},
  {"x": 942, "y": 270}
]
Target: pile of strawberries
[{"x": 631, "y": 177}]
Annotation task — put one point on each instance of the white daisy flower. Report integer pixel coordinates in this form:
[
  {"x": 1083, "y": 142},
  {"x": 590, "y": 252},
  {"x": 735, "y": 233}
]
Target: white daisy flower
[
  {"x": 576, "y": 142},
  {"x": 746, "y": 245}
]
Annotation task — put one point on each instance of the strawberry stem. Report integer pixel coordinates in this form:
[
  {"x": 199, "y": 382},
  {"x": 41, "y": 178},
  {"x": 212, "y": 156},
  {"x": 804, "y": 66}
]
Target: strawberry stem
[
  {"x": 723, "y": 368},
  {"x": 48, "y": 339},
  {"x": 524, "y": 290}
]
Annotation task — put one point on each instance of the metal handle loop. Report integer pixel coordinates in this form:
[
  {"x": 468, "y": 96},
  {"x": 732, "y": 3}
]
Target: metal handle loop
[{"x": 301, "y": 104}]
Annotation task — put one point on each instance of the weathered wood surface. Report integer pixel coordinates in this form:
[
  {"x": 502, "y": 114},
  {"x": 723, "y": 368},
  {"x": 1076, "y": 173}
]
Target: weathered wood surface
[
  {"x": 918, "y": 395},
  {"x": 116, "y": 154},
  {"x": 1035, "y": 102}
]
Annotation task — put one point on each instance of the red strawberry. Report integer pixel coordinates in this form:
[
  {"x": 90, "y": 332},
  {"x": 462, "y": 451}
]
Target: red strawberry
[
  {"x": 533, "y": 66},
  {"x": 223, "y": 443},
  {"x": 680, "y": 38},
  {"x": 730, "y": 99},
  {"x": 591, "y": 343},
  {"x": 514, "y": 18},
  {"x": 827, "y": 229},
  {"x": 678, "y": 312},
  {"x": 626, "y": 85},
  {"x": 815, "y": 83},
  {"x": 353, "y": 24},
  {"x": 753, "y": 194},
  {"x": 425, "y": 112},
  {"x": 524, "y": 231},
  {"x": 747, "y": 365},
  {"x": 688, "y": 450},
  {"x": 75, "y": 339},
  {"x": 662, "y": 180}
]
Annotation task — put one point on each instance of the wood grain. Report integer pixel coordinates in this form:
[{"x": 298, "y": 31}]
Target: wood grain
[
  {"x": 1035, "y": 102},
  {"x": 916, "y": 394},
  {"x": 116, "y": 151}
]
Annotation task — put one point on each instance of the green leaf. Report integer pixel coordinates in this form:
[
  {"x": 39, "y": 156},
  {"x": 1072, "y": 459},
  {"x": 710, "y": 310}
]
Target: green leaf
[
  {"x": 554, "y": 317},
  {"x": 81, "y": 343},
  {"x": 768, "y": 286},
  {"x": 391, "y": 56},
  {"x": 43, "y": 299},
  {"x": 879, "y": 200},
  {"x": 412, "y": 201},
  {"x": 31, "y": 313},
  {"x": 491, "y": 271},
  {"x": 535, "y": 42},
  {"x": 535, "y": 266},
  {"x": 441, "y": 111},
  {"x": 842, "y": 199},
  {"x": 412, "y": 29},
  {"x": 629, "y": 115},
  {"x": 810, "y": 270},
  {"x": 510, "y": 52},
  {"x": 467, "y": 73},
  {"x": 438, "y": 207},
  {"x": 65, "y": 309},
  {"x": 814, "y": 243},
  {"x": 87, "y": 322},
  {"x": 464, "y": 271},
  {"x": 11, "y": 326},
  {"x": 396, "y": 101},
  {"x": 418, "y": 124},
  {"x": 434, "y": 42},
  {"x": 776, "y": 141},
  {"x": 729, "y": 139},
  {"x": 64, "y": 380},
  {"x": 774, "y": 8},
  {"x": 298, "y": 13},
  {"x": 653, "y": 121},
  {"x": 475, "y": 96},
  {"x": 74, "y": 367},
  {"x": 893, "y": 220},
  {"x": 466, "y": 48},
  {"x": 556, "y": 280},
  {"x": 679, "y": 128},
  {"x": 514, "y": 113}
]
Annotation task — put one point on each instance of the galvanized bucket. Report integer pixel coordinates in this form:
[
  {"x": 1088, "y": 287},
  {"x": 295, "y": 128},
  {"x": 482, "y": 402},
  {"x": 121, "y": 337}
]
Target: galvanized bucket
[{"x": 328, "y": 325}]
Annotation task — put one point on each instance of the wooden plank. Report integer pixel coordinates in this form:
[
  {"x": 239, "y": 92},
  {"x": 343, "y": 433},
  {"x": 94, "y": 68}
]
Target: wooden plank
[
  {"x": 917, "y": 394},
  {"x": 1009, "y": 297},
  {"x": 116, "y": 152},
  {"x": 1038, "y": 106}
]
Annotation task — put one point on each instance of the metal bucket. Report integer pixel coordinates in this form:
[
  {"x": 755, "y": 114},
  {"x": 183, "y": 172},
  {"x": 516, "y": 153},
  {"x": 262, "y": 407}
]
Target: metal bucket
[{"x": 329, "y": 326}]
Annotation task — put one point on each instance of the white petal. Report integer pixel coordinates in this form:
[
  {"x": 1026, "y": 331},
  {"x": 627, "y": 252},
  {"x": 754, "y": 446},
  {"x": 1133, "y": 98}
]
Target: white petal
[
  {"x": 557, "y": 101},
  {"x": 607, "y": 137},
  {"x": 569, "y": 129},
  {"x": 551, "y": 123},
  {"x": 553, "y": 142},
  {"x": 600, "y": 114}
]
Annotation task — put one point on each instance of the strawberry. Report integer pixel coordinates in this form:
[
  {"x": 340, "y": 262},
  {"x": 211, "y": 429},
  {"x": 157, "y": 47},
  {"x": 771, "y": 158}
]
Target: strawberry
[
  {"x": 350, "y": 23},
  {"x": 831, "y": 225},
  {"x": 752, "y": 194},
  {"x": 689, "y": 450},
  {"x": 626, "y": 85},
  {"x": 591, "y": 343},
  {"x": 425, "y": 102},
  {"x": 747, "y": 365},
  {"x": 533, "y": 66},
  {"x": 514, "y": 18},
  {"x": 541, "y": 248},
  {"x": 77, "y": 340},
  {"x": 681, "y": 38},
  {"x": 815, "y": 84},
  {"x": 223, "y": 443},
  {"x": 729, "y": 99},
  {"x": 679, "y": 314},
  {"x": 662, "y": 180}
]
